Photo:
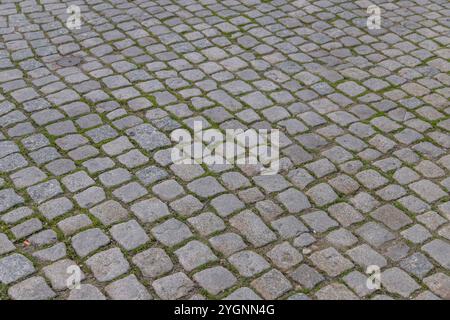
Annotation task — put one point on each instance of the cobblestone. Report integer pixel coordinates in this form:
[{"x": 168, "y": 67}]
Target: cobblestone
[{"x": 87, "y": 177}]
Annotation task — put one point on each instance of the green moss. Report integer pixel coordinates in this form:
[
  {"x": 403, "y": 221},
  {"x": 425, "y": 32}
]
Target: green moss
[{"x": 3, "y": 292}]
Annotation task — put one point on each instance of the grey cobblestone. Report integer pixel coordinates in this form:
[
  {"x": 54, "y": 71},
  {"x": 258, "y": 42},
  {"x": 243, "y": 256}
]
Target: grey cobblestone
[{"x": 86, "y": 174}]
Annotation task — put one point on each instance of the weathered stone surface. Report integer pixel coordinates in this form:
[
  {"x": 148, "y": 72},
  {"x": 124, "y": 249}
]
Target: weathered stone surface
[
  {"x": 331, "y": 261},
  {"x": 173, "y": 287},
  {"x": 440, "y": 251},
  {"x": 128, "y": 288},
  {"x": 88, "y": 241},
  {"x": 248, "y": 263},
  {"x": 108, "y": 264},
  {"x": 59, "y": 272},
  {"x": 14, "y": 267},
  {"x": 215, "y": 280},
  {"x": 253, "y": 228},
  {"x": 399, "y": 282},
  {"x": 91, "y": 121},
  {"x": 129, "y": 235},
  {"x": 153, "y": 262},
  {"x": 34, "y": 288},
  {"x": 86, "y": 292},
  {"x": 272, "y": 285}
]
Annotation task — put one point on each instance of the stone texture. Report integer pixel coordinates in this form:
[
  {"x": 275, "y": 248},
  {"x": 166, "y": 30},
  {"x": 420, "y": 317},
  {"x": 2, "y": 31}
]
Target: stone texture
[
  {"x": 108, "y": 265},
  {"x": 14, "y": 267},
  {"x": 86, "y": 167},
  {"x": 128, "y": 288},
  {"x": 215, "y": 280},
  {"x": 253, "y": 228}
]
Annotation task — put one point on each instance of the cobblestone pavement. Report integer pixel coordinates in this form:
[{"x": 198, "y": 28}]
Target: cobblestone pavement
[{"x": 86, "y": 176}]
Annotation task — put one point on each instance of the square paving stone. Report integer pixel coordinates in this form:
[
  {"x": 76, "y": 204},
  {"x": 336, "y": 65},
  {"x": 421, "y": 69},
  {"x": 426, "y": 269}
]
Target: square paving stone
[
  {"x": 168, "y": 190},
  {"x": 205, "y": 187},
  {"x": 319, "y": 221},
  {"x": 271, "y": 183},
  {"x": 130, "y": 192},
  {"x": 72, "y": 224},
  {"x": 109, "y": 212},
  {"x": 331, "y": 261},
  {"x": 43, "y": 238},
  {"x": 150, "y": 210},
  {"x": 129, "y": 235},
  {"x": 153, "y": 262},
  {"x": 108, "y": 265},
  {"x": 77, "y": 181},
  {"x": 427, "y": 190},
  {"x": 34, "y": 288},
  {"x": 187, "y": 172},
  {"x": 16, "y": 215},
  {"x": 243, "y": 294},
  {"x": 289, "y": 227},
  {"x": 27, "y": 177},
  {"x": 187, "y": 205},
  {"x": 58, "y": 273},
  {"x": 98, "y": 164},
  {"x": 248, "y": 263},
  {"x": 26, "y": 228},
  {"x": 117, "y": 146},
  {"x": 234, "y": 180},
  {"x": 365, "y": 256},
  {"x": 358, "y": 282},
  {"x": 207, "y": 223},
  {"x": 439, "y": 250},
  {"x": 439, "y": 283},
  {"x": 215, "y": 280},
  {"x": 90, "y": 197},
  {"x": 397, "y": 281},
  {"x": 151, "y": 174},
  {"x": 391, "y": 217},
  {"x": 335, "y": 291},
  {"x": 268, "y": 209},
  {"x": 148, "y": 137},
  {"x": 284, "y": 256},
  {"x": 115, "y": 177},
  {"x": 322, "y": 194},
  {"x": 226, "y": 204},
  {"x": 171, "y": 232},
  {"x": 431, "y": 220},
  {"x": 228, "y": 243},
  {"x": 173, "y": 287},
  {"x": 306, "y": 276},
  {"x": 375, "y": 234},
  {"x": 371, "y": 179},
  {"x": 300, "y": 178},
  {"x": 132, "y": 159},
  {"x": 253, "y": 228},
  {"x": 44, "y": 191},
  {"x": 14, "y": 267},
  {"x": 417, "y": 264},
  {"x": 8, "y": 199},
  {"x": 5, "y": 244},
  {"x": 416, "y": 234},
  {"x": 128, "y": 288},
  {"x": 272, "y": 285},
  {"x": 294, "y": 200},
  {"x": 321, "y": 168},
  {"x": 364, "y": 202},
  {"x": 51, "y": 254},
  {"x": 88, "y": 241},
  {"x": 60, "y": 166},
  {"x": 251, "y": 195},
  {"x": 194, "y": 254},
  {"x": 341, "y": 238}
]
